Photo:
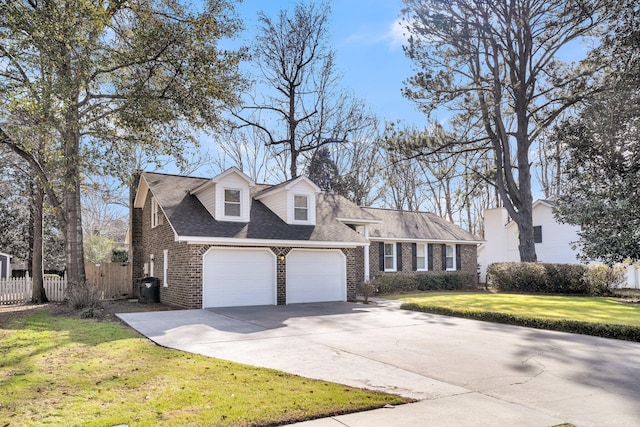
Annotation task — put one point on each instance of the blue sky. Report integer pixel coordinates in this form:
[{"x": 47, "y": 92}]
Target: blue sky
[{"x": 368, "y": 43}]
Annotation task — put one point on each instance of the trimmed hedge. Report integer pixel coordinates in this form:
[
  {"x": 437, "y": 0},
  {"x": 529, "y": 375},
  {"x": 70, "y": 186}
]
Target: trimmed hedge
[
  {"x": 411, "y": 282},
  {"x": 537, "y": 277},
  {"x": 619, "y": 332},
  {"x": 534, "y": 277}
]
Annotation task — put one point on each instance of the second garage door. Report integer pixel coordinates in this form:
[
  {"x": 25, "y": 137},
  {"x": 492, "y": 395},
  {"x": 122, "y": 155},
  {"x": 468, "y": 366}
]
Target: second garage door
[
  {"x": 316, "y": 276},
  {"x": 235, "y": 277}
]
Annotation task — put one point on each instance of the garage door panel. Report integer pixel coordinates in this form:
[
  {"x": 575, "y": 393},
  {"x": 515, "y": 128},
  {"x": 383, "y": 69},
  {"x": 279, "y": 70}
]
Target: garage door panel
[
  {"x": 315, "y": 276},
  {"x": 237, "y": 277}
]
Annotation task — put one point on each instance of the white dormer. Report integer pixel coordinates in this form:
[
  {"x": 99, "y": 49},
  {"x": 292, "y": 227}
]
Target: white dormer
[
  {"x": 293, "y": 201},
  {"x": 227, "y": 196}
]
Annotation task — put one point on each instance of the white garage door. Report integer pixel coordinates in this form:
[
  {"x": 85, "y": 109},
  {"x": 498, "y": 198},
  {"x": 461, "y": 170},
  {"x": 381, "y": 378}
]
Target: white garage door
[
  {"x": 236, "y": 277},
  {"x": 316, "y": 276}
]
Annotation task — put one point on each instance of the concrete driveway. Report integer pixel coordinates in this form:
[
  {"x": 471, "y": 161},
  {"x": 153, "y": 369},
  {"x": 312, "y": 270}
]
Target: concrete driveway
[{"x": 464, "y": 372}]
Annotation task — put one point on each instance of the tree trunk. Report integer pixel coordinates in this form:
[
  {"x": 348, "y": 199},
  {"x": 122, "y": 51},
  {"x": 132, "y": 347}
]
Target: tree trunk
[
  {"x": 527, "y": 245},
  {"x": 72, "y": 206},
  {"x": 38, "y": 294}
]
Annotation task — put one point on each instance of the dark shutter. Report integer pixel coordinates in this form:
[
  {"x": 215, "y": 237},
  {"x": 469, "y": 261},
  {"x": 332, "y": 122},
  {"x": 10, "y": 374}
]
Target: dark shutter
[
  {"x": 399, "y": 256},
  {"x": 444, "y": 257},
  {"x": 414, "y": 257},
  {"x": 430, "y": 256},
  {"x": 458, "y": 257},
  {"x": 381, "y": 256}
]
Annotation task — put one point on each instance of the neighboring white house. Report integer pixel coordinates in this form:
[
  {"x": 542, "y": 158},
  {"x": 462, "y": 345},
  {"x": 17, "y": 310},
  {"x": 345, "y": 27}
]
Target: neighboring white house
[{"x": 553, "y": 240}]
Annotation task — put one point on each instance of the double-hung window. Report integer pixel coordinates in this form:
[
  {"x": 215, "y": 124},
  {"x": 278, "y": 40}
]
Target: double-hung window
[
  {"x": 450, "y": 258},
  {"x": 389, "y": 257},
  {"x": 301, "y": 208},
  {"x": 422, "y": 261},
  {"x": 231, "y": 202}
]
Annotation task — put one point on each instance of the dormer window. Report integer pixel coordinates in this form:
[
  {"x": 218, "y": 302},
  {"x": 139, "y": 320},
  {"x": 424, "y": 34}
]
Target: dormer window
[
  {"x": 231, "y": 202},
  {"x": 301, "y": 208}
]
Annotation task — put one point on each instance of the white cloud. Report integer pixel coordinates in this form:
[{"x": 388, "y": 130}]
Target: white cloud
[
  {"x": 397, "y": 35},
  {"x": 394, "y": 36}
]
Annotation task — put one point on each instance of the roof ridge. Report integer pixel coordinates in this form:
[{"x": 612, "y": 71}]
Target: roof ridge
[
  {"x": 400, "y": 210},
  {"x": 176, "y": 175}
]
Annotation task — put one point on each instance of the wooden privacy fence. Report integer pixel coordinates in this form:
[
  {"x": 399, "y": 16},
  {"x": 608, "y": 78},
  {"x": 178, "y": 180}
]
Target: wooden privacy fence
[
  {"x": 18, "y": 289},
  {"x": 114, "y": 280}
]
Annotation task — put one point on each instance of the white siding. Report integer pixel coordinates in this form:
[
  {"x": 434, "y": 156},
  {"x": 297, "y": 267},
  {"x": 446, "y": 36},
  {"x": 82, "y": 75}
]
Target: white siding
[
  {"x": 235, "y": 182},
  {"x": 208, "y": 199},
  {"x": 277, "y": 203}
]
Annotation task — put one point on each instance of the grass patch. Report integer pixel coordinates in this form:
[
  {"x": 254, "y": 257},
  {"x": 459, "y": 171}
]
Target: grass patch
[
  {"x": 598, "y": 316},
  {"x": 63, "y": 371}
]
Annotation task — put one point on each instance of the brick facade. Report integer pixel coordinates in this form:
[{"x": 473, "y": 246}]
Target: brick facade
[
  {"x": 184, "y": 272},
  {"x": 468, "y": 259}
]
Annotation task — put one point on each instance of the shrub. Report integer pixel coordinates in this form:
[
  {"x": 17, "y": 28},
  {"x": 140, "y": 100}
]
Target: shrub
[
  {"x": 537, "y": 278},
  {"x": 83, "y": 296},
  {"x": 119, "y": 255},
  {"x": 366, "y": 289},
  {"x": 565, "y": 279},
  {"x": 601, "y": 279},
  {"x": 412, "y": 282},
  {"x": 517, "y": 276}
]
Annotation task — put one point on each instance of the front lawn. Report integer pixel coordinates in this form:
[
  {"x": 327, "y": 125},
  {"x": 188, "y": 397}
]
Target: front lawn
[
  {"x": 590, "y": 315},
  {"x": 64, "y": 371}
]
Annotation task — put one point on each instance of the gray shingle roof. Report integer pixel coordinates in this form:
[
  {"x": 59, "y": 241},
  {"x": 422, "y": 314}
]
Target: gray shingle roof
[
  {"x": 416, "y": 226},
  {"x": 190, "y": 218}
]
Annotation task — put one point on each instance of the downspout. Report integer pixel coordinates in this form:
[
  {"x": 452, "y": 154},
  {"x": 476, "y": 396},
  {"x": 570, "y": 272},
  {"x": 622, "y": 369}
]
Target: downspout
[{"x": 366, "y": 254}]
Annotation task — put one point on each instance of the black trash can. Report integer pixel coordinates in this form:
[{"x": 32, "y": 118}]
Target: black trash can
[{"x": 149, "y": 290}]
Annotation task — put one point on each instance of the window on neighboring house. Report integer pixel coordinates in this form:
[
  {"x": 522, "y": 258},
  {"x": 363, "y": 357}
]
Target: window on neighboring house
[
  {"x": 450, "y": 259},
  {"x": 422, "y": 262},
  {"x": 389, "y": 257},
  {"x": 231, "y": 202},
  {"x": 301, "y": 208},
  {"x": 537, "y": 234},
  {"x": 156, "y": 213}
]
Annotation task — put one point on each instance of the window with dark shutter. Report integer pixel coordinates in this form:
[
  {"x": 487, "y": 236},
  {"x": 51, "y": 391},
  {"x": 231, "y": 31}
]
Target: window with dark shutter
[
  {"x": 399, "y": 256},
  {"x": 430, "y": 256},
  {"x": 444, "y": 257},
  {"x": 421, "y": 257},
  {"x": 381, "y": 257},
  {"x": 458, "y": 257}
]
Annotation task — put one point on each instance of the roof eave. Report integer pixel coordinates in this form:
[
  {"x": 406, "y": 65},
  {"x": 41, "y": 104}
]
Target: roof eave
[
  {"x": 231, "y": 241},
  {"x": 359, "y": 221},
  {"x": 422, "y": 240}
]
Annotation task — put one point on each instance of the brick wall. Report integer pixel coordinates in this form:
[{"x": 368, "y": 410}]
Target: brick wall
[
  {"x": 184, "y": 273},
  {"x": 353, "y": 272}
]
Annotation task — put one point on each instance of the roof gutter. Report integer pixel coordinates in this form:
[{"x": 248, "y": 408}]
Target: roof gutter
[
  {"x": 229, "y": 241},
  {"x": 404, "y": 239}
]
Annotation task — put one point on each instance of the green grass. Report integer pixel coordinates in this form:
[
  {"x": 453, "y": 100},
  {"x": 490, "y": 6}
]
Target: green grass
[
  {"x": 582, "y": 309},
  {"x": 64, "y": 371}
]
